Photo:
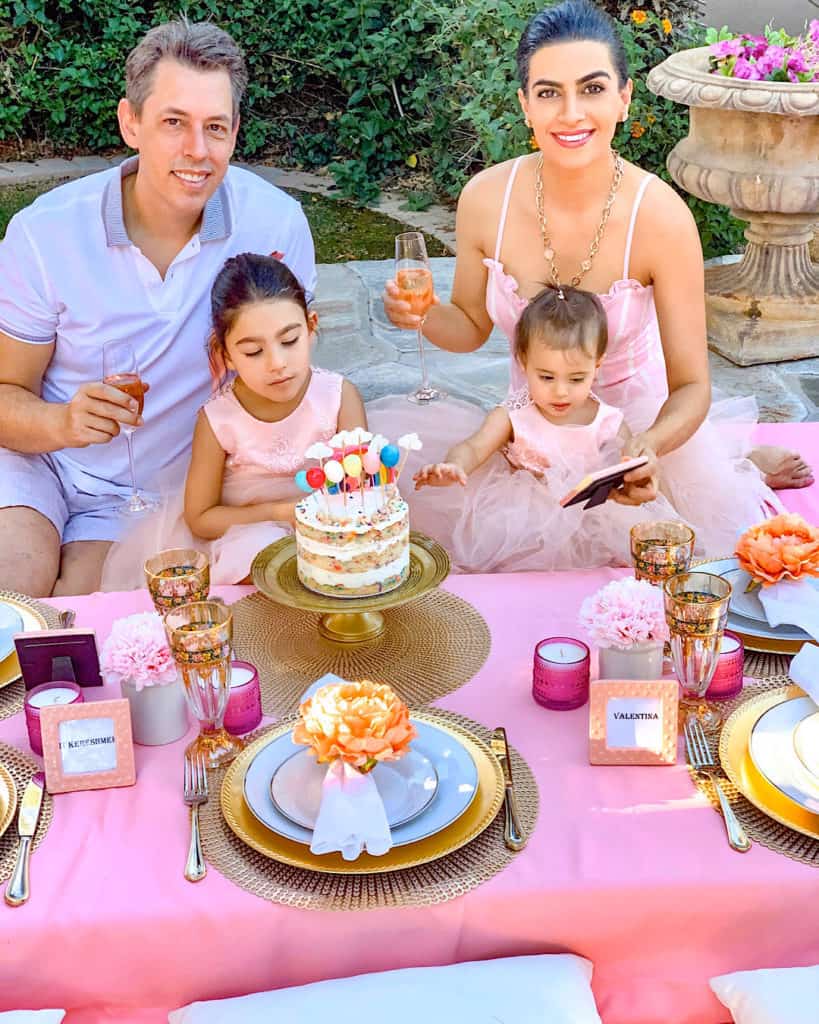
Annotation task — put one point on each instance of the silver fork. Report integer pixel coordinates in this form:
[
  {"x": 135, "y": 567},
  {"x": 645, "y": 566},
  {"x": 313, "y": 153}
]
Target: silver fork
[
  {"x": 196, "y": 793},
  {"x": 702, "y": 760}
]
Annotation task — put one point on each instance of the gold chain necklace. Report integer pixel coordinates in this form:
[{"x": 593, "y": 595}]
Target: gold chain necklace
[{"x": 548, "y": 251}]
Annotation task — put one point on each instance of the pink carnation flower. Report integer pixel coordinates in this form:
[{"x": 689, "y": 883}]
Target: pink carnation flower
[
  {"x": 625, "y": 612},
  {"x": 137, "y": 652}
]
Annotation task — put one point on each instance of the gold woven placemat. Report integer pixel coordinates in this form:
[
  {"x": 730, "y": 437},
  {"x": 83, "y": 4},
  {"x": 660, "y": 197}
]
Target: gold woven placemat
[
  {"x": 11, "y": 696},
  {"x": 429, "y": 648},
  {"x": 761, "y": 666},
  {"x": 440, "y": 880},
  {"x": 760, "y": 828},
  {"x": 21, "y": 768}
]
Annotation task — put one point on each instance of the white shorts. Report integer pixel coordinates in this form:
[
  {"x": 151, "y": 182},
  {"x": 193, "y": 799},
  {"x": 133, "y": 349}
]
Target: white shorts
[{"x": 35, "y": 481}]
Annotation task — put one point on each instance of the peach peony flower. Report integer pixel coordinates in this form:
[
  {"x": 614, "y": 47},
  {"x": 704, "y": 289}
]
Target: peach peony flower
[
  {"x": 362, "y": 723},
  {"x": 782, "y": 548}
]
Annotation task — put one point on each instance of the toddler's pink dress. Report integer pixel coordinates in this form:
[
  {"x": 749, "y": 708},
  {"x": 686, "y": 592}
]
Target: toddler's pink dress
[
  {"x": 708, "y": 480},
  {"x": 261, "y": 464},
  {"x": 509, "y": 518}
]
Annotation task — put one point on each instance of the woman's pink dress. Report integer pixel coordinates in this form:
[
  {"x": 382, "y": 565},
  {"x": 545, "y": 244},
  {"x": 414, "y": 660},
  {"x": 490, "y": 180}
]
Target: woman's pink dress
[
  {"x": 708, "y": 480},
  {"x": 261, "y": 464}
]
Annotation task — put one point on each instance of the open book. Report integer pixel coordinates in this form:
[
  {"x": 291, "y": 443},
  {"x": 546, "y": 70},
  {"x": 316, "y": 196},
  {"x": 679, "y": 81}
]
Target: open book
[{"x": 594, "y": 488}]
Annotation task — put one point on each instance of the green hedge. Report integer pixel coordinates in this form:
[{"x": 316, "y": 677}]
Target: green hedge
[{"x": 364, "y": 86}]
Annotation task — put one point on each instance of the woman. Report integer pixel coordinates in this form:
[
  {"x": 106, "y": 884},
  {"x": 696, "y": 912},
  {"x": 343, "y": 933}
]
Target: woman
[{"x": 575, "y": 212}]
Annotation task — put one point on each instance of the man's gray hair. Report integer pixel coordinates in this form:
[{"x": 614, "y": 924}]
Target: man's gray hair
[{"x": 202, "y": 45}]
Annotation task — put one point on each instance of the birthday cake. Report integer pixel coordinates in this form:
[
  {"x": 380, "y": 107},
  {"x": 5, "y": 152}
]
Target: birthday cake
[{"x": 352, "y": 530}]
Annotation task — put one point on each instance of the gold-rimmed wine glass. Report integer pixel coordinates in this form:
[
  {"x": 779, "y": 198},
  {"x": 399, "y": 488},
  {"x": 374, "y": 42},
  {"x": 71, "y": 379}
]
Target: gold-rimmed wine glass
[
  {"x": 121, "y": 371},
  {"x": 413, "y": 278},
  {"x": 660, "y": 550},
  {"x": 177, "y": 576},
  {"x": 696, "y": 610},
  {"x": 200, "y": 636}
]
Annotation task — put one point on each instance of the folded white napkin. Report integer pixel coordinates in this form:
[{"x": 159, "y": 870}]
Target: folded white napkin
[
  {"x": 351, "y": 817},
  {"x": 796, "y": 602}
]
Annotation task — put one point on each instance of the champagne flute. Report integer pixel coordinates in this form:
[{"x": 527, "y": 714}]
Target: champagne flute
[
  {"x": 414, "y": 280},
  {"x": 696, "y": 609},
  {"x": 120, "y": 371}
]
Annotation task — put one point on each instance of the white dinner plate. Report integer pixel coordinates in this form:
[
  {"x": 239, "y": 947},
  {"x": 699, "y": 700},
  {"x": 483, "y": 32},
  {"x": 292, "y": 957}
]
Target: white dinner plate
[
  {"x": 453, "y": 764},
  {"x": 405, "y": 786},
  {"x": 742, "y": 623},
  {"x": 772, "y": 750},
  {"x": 747, "y": 603},
  {"x": 806, "y": 743},
  {"x": 11, "y": 622}
]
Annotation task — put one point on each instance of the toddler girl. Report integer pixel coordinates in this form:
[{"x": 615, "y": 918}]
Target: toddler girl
[{"x": 529, "y": 452}]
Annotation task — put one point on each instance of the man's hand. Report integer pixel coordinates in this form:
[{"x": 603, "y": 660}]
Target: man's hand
[
  {"x": 96, "y": 414},
  {"x": 640, "y": 485},
  {"x": 440, "y": 474}
]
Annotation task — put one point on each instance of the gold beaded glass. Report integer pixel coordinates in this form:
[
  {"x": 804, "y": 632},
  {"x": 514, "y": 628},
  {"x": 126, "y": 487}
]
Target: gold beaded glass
[
  {"x": 200, "y": 636},
  {"x": 661, "y": 550},
  {"x": 177, "y": 576},
  {"x": 696, "y": 609}
]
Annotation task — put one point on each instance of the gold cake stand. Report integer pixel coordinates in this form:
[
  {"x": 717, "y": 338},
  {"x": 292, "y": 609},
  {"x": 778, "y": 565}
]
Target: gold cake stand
[{"x": 347, "y": 620}]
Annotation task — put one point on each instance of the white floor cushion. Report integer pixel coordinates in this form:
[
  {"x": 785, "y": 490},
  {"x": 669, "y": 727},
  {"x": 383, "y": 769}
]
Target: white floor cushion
[
  {"x": 788, "y": 995},
  {"x": 32, "y": 1016},
  {"x": 549, "y": 989}
]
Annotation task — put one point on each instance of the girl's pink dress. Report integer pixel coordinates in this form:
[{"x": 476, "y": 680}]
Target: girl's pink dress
[
  {"x": 708, "y": 480},
  {"x": 261, "y": 464},
  {"x": 509, "y": 517}
]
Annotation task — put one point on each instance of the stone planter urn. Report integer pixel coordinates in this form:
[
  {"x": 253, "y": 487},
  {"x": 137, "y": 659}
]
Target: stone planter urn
[{"x": 754, "y": 147}]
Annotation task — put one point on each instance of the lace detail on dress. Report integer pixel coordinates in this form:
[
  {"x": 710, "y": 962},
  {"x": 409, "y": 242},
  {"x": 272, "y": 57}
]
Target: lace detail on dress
[{"x": 518, "y": 399}]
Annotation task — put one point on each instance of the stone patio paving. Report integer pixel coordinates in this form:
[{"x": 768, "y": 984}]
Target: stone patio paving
[{"x": 356, "y": 339}]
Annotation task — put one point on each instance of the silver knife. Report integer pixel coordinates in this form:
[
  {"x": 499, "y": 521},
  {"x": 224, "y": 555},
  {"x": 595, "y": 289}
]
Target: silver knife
[
  {"x": 512, "y": 832},
  {"x": 17, "y": 891}
]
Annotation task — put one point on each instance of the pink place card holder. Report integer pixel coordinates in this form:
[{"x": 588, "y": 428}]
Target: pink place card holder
[
  {"x": 87, "y": 746},
  {"x": 633, "y": 721}
]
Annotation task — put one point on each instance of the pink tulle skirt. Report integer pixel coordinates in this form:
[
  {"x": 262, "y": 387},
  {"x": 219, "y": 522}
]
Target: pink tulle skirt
[
  {"x": 230, "y": 556},
  {"x": 508, "y": 520}
]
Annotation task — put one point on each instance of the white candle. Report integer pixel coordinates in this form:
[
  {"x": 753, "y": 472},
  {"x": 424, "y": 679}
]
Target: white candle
[
  {"x": 728, "y": 644},
  {"x": 562, "y": 652},
  {"x": 58, "y": 695},
  {"x": 239, "y": 675}
]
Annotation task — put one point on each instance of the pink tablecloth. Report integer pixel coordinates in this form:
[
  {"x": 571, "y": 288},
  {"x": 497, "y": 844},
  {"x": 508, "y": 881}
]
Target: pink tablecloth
[{"x": 627, "y": 867}]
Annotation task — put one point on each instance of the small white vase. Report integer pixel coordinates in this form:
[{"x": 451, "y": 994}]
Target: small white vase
[
  {"x": 640, "y": 661},
  {"x": 159, "y": 714}
]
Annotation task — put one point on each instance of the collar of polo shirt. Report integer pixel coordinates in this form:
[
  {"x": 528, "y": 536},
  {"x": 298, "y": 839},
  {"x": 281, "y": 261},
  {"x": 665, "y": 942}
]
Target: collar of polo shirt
[{"x": 215, "y": 217}]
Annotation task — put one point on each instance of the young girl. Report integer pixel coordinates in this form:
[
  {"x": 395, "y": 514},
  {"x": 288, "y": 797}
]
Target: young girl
[
  {"x": 552, "y": 433},
  {"x": 251, "y": 436}
]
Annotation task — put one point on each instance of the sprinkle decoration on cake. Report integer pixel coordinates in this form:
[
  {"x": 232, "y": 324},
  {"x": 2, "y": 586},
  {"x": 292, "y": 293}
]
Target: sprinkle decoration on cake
[{"x": 352, "y": 529}]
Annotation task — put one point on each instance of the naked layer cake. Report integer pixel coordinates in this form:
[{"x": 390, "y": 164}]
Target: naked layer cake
[{"x": 352, "y": 530}]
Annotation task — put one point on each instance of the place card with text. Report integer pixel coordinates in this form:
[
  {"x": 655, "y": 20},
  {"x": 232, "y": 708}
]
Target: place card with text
[{"x": 633, "y": 721}]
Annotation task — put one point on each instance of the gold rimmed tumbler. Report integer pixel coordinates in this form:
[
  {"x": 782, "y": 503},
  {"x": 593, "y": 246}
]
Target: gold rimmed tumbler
[
  {"x": 696, "y": 609},
  {"x": 200, "y": 636},
  {"x": 177, "y": 576},
  {"x": 661, "y": 550}
]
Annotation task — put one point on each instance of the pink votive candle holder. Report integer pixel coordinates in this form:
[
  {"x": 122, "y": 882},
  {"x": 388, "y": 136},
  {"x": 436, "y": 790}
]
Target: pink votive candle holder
[
  {"x": 560, "y": 678},
  {"x": 727, "y": 678},
  {"x": 43, "y": 696},
  {"x": 244, "y": 707}
]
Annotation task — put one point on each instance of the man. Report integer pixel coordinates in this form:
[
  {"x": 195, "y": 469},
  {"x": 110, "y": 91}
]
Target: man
[{"x": 124, "y": 254}]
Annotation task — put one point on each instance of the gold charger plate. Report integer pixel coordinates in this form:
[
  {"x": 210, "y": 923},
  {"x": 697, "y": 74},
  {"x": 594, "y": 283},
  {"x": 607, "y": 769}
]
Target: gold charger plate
[
  {"x": 478, "y": 816},
  {"x": 8, "y": 799},
  {"x": 32, "y": 620},
  {"x": 274, "y": 573},
  {"x": 736, "y": 761}
]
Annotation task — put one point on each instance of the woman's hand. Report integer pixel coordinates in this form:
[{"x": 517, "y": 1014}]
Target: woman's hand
[
  {"x": 640, "y": 485},
  {"x": 440, "y": 474},
  {"x": 399, "y": 311}
]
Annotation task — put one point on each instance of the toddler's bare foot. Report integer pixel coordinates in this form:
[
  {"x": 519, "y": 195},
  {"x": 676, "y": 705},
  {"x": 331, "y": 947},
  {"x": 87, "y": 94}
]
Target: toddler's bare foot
[{"x": 782, "y": 468}]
